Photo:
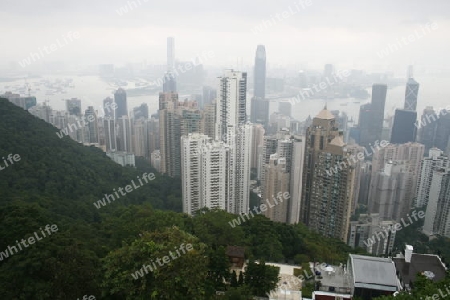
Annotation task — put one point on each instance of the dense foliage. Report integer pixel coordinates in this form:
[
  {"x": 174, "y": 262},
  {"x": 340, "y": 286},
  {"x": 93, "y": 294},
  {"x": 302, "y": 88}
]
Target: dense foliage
[{"x": 95, "y": 251}]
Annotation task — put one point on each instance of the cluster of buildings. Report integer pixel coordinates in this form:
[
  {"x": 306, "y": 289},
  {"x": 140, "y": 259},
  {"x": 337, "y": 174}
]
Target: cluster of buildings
[{"x": 328, "y": 169}]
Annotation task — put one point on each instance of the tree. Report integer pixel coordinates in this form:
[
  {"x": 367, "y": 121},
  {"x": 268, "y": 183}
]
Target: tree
[{"x": 261, "y": 278}]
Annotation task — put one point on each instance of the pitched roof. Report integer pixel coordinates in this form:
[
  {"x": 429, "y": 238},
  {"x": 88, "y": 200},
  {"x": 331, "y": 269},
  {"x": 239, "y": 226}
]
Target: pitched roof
[
  {"x": 373, "y": 273},
  {"x": 325, "y": 114}
]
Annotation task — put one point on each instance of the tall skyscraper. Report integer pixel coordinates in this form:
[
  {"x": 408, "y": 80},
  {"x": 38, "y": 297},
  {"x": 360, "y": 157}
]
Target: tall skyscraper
[
  {"x": 73, "y": 106},
  {"x": 260, "y": 73},
  {"x": 124, "y": 136},
  {"x": 437, "y": 215},
  {"x": 259, "y": 105},
  {"x": 93, "y": 125},
  {"x": 108, "y": 107},
  {"x": 404, "y": 129},
  {"x": 434, "y": 161},
  {"x": 427, "y": 128},
  {"x": 120, "y": 98},
  {"x": 372, "y": 116},
  {"x": 141, "y": 112},
  {"x": 109, "y": 125},
  {"x": 411, "y": 93},
  {"x": 170, "y": 54},
  {"x": 442, "y": 139},
  {"x": 231, "y": 103},
  {"x": 327, "y": 192}
]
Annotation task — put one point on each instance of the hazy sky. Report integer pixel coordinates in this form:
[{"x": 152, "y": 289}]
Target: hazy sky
[{"x": 350, "y": 34}]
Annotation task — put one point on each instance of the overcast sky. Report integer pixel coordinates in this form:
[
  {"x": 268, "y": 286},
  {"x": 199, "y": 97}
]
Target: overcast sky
[{"x": 350, "y": 34}]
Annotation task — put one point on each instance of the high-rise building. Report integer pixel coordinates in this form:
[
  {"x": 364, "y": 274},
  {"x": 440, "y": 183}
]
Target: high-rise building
[
  {"x": 231, "y": 102},
  {"x": 257, "y": 142},
  {"x": 277, "y": 179},
  {"x": 327, "y": 192},
  {"x": 435, "y": 160},
  {"x": 427, "y": 128},
  {"x": 412, "y": 90},
  {"x": 372, "y": 116},
  {"x": 437, "y": 215},
  {"x": 124, "y": 135},
  {"x": 141, "y": 112},
  {"x": 442, "y": 138},
  {"x": 260, "y": 73},
  {"x": 285, "y": 108},
  {"x": 73, "y": 106},
  {"x": 170, "y": 54},
  {"x": 209, "y": 95},
  {"x": 259, "y": 105},
  {"x": 109, "y": 125},
  {"x": 25, "y": 103},
  {"x": 296, "y": 173},
  {"x": 120, "y": 98},
  {"x": 108, "y": 107},
  {"x": 404, "y": 129},
  {"x": 169, "y": 83},
  {"x": 140, "y": 138},
  {"x": 92, "y": 124},
  {"x": 204, "y": 173},
  {"x": 208, "y": 122}
]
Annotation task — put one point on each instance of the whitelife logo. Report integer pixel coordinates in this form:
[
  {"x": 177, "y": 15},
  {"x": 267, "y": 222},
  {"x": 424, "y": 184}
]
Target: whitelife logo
[
  {"x": 128, "y": 189},
  {"x": 31, "y": 240},
  {"x": 66, "y": 39}
]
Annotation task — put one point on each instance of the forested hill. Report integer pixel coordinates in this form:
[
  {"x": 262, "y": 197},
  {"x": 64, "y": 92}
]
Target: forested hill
[{"x": 95, "y": 251}]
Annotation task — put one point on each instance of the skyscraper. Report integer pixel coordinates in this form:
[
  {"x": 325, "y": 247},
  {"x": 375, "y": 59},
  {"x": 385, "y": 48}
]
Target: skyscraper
[
  {"x": 404, "y": 129},
  {"x": 108, "y": 107},
  {"x": 73, "y": 106},
  {"x": 124, "y": 137},
  {"x": 93, "y": 125},
  {"x": 260, "y": 73},
  {"x": 327, "y": 192},
  {"x": 120, "y": 98},
  {"x": 372, "y": 116},
  {"x": 427, "y": 128},
  {"x": 140, "y": 111},
  {"x": 434, "y": 161},
  {"x": 442, "y": 138},
  {"x": 109, "y": 125},
  {"x": 170, "y": 54},
  {"x": 259, "y": 104},
  {"x": 412, "y": 90}
]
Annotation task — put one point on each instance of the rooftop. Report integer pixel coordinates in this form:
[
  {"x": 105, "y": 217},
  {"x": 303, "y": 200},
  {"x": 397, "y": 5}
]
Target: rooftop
[
  {"x": 420, "y": 263},
  {"x": 374, "y": 273}
]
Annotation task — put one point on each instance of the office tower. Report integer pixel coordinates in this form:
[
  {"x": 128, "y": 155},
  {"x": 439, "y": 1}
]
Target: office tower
[
  {"x": 108, "y": 107},
  {"x": 259, "y": 111},
  {"x": 257, "y": 142},
  {"x": 140, "y": 112},
  {"x": 120, "y": 98},
  {"x": 91, "y": 117},
  {"x": 276, "y": 183},
  {"x": 169, "y": 83},
  {"x": 404, "y": 129},
  {"x": 369, "y": 228},
  {"x": 73, "y": 106},
  {"x": 124, "y": 136},
  {"x": 109, "y": 125},
  {"x": 412, "y": 90},
  {"x": 327, "y": 192},
  {"x": 285, "y": 108},
  {"x": 260, "y": 73},
  {"x": 437, "y": 215},
  {"x": 204, "y": 173},
  {"x": 209, "y": 95},
  {"x": 170, "y": 54},
  {"x": 259, "y": 104},
  {"x": 435, "y": 160},
  {"x": 208, "y": 121},
  {"x": 356, "y": 164},
  {"x": 372, "y": 116},
  {"x": 441, "y": 139},
  {"x": 426, "y": 128}
]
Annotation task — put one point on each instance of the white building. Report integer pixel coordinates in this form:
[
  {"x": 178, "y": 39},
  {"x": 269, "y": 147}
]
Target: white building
[{"x": 434, "y": 160}]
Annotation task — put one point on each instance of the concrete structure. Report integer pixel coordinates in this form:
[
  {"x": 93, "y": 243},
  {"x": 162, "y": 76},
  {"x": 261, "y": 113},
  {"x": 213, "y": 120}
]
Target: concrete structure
[
  {"x": 122, "y": 158},
  {"x": 73, "y": 106},
  {"x": 435, "y": 160},
  {"x": 404, "y": 129},
  {"x": 327, "y": 192},
  {"x": 411, "y": 93},
  {"x": 372, "y": 116},
  {"x": 120, "y": 98}
]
